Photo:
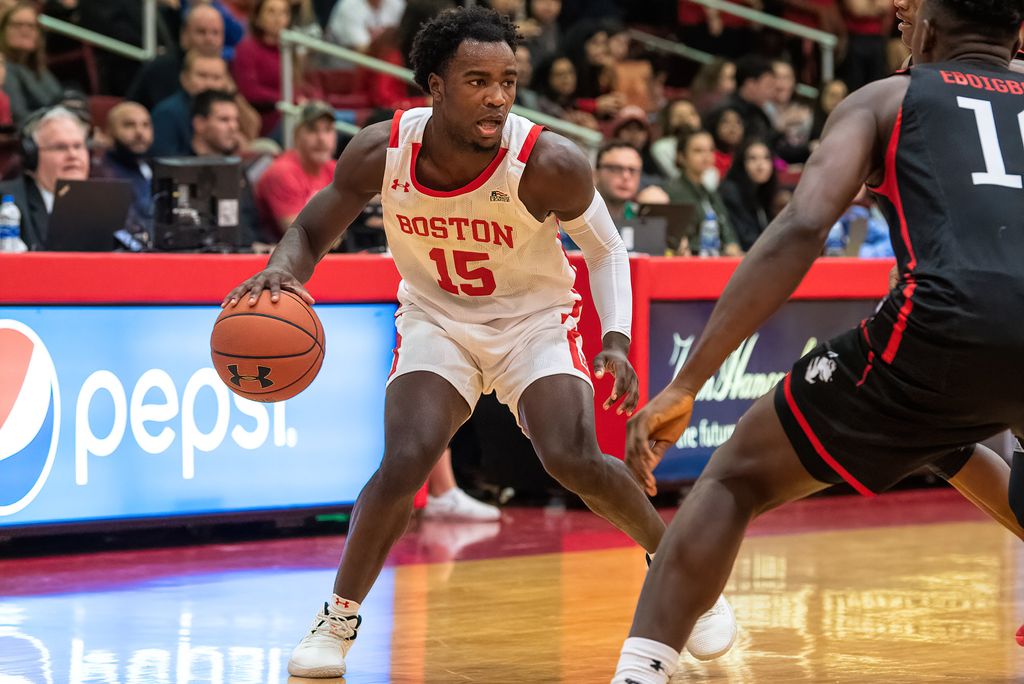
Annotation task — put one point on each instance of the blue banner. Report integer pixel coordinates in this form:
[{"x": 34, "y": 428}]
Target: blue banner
[
  {"x": 749, "y": 373},
  {"x": 116, "y": 413}
]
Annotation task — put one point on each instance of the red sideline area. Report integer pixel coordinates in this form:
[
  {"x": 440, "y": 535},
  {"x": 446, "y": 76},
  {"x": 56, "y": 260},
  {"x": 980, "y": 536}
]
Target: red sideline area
[{"x": 84, "y": 279}]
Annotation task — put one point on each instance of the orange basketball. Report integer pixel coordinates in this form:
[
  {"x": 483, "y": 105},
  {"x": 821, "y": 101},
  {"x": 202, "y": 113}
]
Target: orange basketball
[{"x": 268, "y": 351}]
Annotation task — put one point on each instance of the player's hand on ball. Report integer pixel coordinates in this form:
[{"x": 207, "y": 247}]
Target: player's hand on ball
[
  {"x": 612, "y": 359},
  {"x": 271, "y": 279},
  {"x": 651, "y": 432}
]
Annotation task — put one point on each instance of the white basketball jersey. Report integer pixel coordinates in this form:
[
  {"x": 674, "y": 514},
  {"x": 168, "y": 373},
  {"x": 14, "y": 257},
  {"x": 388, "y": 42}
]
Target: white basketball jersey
[{"x": 475, "y": 254}]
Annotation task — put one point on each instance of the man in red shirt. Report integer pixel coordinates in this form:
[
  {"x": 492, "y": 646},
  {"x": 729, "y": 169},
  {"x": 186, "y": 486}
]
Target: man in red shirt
[{"x": 301, "y": 172}]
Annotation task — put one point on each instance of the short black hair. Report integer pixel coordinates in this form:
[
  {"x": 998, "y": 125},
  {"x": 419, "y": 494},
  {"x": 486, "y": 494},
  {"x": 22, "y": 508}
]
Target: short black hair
[
  {"x": 999, "y": 18},
  {"x": 610, "y": 146},
  {"x": 202, "y": 103},
  {"x": 439, "y": 39},
  {"x": 752, "y": 67}
]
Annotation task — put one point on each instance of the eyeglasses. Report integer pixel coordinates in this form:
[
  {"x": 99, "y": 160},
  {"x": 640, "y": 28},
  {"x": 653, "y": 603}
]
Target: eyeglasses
[
  {"x": 63, "y": 148},
  {"x": 617, "y": 170},
  {"x": 31, "y": 25}
]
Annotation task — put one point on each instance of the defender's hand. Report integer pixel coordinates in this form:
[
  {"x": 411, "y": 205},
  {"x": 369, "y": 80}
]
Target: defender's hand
[
  {"x": 613, "y": 360},
  {"x": 651, "y": 432},
  {"x": 271, "y": 279}
]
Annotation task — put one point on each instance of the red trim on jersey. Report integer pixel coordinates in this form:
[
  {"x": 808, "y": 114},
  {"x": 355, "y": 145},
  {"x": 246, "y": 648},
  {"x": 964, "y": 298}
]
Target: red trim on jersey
[
  {"x": 816, "y": 443},
  {"x": 393, "y": 140},
  {"x": 398, "y": 346},
  {"x": 573, "y": 335},
  {"x": 531, "y": 140},
  {"x": 469, "y": 187},
  {"x": 891, "y": 190}
]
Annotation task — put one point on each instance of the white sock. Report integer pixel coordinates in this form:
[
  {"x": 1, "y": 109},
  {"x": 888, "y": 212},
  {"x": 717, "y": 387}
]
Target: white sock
[
  {"x": 341, "y": 606},
  {"x": 644, "y": 661}
]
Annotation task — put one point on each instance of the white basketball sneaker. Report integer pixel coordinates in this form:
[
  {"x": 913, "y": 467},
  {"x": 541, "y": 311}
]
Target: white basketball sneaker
[
  {"x": 321, "y": 653},
  {"x": 714, "y": 633},
  {"x": 455, "y": 504}
]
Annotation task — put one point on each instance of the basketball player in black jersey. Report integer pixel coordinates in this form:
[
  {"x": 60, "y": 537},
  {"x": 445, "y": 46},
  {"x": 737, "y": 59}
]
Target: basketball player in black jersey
[{"x": 936, "y": 369}]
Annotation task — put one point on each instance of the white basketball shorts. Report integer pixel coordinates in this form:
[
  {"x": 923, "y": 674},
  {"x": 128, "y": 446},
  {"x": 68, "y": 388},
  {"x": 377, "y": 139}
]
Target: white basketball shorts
[{"x": 505, "y": 356}]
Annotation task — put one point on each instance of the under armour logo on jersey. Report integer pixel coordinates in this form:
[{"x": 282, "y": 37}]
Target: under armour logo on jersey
[
  {"x": 395, "y": 184},
  {"x": 262, "y": 376},
  {"x": 499, "y": 196},
  {"x": 821, "y": 368}
]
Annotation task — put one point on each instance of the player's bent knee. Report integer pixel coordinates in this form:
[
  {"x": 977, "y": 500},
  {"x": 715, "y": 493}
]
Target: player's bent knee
[{"x": 572, "y": 470}]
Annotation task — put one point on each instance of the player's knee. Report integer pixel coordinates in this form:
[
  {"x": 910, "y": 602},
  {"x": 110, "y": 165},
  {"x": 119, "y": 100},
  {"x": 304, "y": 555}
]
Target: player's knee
[
  {"x": 574, "y": 471},
  {"x": 404, "y": 469}
]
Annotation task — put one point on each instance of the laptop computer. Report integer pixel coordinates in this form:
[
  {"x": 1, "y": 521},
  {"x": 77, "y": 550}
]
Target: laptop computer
[
  {"x": 87, "y": 213},
  {"x": 644, "y": 235}
]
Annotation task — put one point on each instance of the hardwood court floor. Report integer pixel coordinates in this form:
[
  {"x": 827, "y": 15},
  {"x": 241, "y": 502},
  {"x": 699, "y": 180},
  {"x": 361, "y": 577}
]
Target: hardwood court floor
[{"x": 914, "y": 587}]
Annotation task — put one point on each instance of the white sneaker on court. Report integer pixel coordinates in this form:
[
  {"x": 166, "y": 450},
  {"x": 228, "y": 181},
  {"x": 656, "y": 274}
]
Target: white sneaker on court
[
  {"x": 456, "y": 504},
  {"x": 714, "y": 633},
  {"x": 321, "y": 653}
]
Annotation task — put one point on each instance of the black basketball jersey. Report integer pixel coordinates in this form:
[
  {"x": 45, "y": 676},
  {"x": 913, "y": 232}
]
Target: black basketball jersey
[{"x": 953, "y": 194}]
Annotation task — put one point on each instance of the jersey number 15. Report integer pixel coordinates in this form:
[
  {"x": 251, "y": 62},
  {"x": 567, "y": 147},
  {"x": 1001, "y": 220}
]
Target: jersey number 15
[
  {"x": 995, "y": 167},
  {"x": 479, "y": 280}
]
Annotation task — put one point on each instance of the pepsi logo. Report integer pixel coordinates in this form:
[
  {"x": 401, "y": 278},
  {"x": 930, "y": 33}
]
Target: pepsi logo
[{"x": 29, "y": 415}]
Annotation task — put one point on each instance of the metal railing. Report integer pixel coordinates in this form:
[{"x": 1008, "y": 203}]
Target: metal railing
[
  {"x": 827, "y": 41},
  {"x": 290, "y": 40},
  {"x": 141, "y": 54},
  {"x": 693, "y": 54}
]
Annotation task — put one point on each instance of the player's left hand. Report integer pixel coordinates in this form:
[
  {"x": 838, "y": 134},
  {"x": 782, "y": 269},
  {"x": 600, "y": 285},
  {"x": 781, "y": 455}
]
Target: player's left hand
[{"x": 612, "y": 359}]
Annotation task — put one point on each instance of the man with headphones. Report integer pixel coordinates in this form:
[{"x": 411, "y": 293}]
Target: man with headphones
[{"x": 53, "y": 147}]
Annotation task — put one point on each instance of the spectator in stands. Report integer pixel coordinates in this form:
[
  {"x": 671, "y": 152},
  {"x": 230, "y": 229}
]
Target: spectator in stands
[
  {"x": 6, "y": 119},
  {"x": 617, "y": 170},
  {"x": 299, "y": 173},
  {"x": 356, "y": 24},
  {"x": 548, "y": 37},
  {"x": 676, "y": 116},
  {"x": 709, "y": 232},
  {"x": 714, "y": 82},
  {"x": 28, "y": 84},
  {"x": 726, "y": 127},
  {"x": 632, "y": 126},
  {"x": 257, "y": 65},
  {"x": 785, "y": 87},
  {"x": 794, "y": 126},
  {"x": 831, "y": 94},
  {"x": 755, "y": 87},
  {"x": 172, "y": 117},
  {"x": 202, "y": 32},
  {"x": 525, "y": 96},
  {"x": 122, "y": 20},
  {"x": 215, "y": 128},
  {"x": 587, "y": 47},
  {"x": 555, "y": 81},
  {"x": 867, "y": 24},
  {"x": 748, "y": 192},
  {"x": 818, "y": 14},
  {"x": 59, "y": 139},
  {"x": 131, "y": 131}
]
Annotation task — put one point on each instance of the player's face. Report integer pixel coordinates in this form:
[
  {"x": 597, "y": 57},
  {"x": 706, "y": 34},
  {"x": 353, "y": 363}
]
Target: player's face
[
  {"x": 476, "y": 93},
  {"x": 906, "y": 13}
]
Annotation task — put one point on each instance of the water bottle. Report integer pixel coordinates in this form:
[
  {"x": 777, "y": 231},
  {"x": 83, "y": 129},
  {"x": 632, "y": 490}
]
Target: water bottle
[
  {"x": 835, "y": 243},
  {"x": 10, "y": 226},
  {"x": 710, "y": 240},
  {"x": 627, "y": 234}
]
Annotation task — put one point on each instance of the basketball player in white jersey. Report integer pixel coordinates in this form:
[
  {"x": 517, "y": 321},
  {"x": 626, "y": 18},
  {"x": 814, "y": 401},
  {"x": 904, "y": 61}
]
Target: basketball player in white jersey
[{"x": 473, "y": 197}]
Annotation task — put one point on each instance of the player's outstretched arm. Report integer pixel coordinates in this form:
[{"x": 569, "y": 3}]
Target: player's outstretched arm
[
  {"x": 358, "y": 176},
  {"x": 559, "y": 180},
  {"x": 852, "y": 148}
]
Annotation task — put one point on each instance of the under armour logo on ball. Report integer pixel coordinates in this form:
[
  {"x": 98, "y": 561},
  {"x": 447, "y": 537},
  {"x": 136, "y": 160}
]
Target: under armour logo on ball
[{"x": 262, "y": 376}]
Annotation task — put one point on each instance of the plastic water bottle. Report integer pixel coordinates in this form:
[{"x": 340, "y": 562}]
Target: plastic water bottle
[
  {"x": 710, "y": 239},
  {"x": 10, "y": 226},
  {"x": 835, "y": 243}
]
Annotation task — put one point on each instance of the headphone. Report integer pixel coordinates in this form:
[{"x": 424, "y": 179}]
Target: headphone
[{"x": 29, "y": 148}]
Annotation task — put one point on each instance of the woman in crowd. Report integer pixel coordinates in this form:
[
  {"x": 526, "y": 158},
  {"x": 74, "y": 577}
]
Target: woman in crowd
[
  {"x": 257, "y": 65},
  {"x": 588, "y": 47},
  {"x": 555, "y": 81},
  {"x": 749, "y": 191},
  {"x": 709, "y": 232},
  {"x": 714, "y": 82},
  {"x": 29, "y": 84},
  {"x": 726, "y": 126}
]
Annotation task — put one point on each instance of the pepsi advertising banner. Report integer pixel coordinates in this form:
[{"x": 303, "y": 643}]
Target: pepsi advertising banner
[
  {"x": 112, "y": 413},
  {"x": 751, "y": 371}
]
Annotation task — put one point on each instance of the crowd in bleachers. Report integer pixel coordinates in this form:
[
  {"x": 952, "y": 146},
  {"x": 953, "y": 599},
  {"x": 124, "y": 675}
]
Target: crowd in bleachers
[{"x": 728, "y": 137}]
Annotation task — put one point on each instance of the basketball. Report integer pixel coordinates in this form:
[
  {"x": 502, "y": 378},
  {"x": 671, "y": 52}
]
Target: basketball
[{"x": 268, "y": 351}]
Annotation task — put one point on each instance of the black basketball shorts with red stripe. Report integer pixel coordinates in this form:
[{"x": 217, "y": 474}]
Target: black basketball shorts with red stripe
[{"x": 853, "y": 418}]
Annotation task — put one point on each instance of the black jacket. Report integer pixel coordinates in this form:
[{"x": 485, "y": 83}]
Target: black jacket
[{"x": 35, "y": 220}]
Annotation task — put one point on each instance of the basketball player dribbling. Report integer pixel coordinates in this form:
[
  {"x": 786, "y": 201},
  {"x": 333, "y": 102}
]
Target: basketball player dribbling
[
  {"x": 473, "y": 197},
  {"x": 936, "y": 369}
]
